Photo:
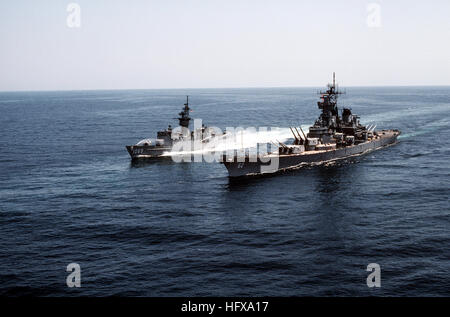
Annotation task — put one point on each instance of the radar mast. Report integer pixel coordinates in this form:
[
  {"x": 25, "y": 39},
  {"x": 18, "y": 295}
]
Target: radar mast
[{"x": 184, "y": 117}]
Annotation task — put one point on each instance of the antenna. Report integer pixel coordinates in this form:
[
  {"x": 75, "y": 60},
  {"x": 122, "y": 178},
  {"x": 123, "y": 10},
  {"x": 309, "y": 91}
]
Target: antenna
[
  {"x": 334, "y": 79},
  {"x": 184, "y": 115}
]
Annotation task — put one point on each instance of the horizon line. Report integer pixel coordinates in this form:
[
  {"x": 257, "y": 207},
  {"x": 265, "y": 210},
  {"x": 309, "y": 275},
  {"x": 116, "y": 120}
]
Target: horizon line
[{"x": 198, "y": 88}]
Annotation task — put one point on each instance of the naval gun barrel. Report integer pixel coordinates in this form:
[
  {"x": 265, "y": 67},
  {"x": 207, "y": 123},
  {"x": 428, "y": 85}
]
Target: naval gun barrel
[
  {"x": 304, "y": 135},
  {"x": 297, "y": 141},
  {"x": 299, "y": 134},
  {"x": 306, "y": 139},
  {"x": 280, "y": 145},
  {"x": 283, "y": 145}
]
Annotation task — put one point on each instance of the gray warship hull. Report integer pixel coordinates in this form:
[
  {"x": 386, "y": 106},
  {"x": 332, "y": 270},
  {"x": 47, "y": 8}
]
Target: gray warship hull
[
  {"x": 146, "y": 152},
  {"x": 248, "y": 166}
]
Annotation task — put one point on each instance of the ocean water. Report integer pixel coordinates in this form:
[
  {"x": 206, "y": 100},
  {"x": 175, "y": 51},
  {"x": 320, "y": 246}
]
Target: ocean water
[{"x": 69, "y": 194}]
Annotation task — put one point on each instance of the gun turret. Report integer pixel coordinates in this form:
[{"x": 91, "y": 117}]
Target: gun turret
[
  {"x": 301, "y": 139},
  {"x": 283, "y": 145}
]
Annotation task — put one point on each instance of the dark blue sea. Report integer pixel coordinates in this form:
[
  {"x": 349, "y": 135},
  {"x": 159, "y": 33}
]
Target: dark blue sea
[{"x": 69, "y": 194}]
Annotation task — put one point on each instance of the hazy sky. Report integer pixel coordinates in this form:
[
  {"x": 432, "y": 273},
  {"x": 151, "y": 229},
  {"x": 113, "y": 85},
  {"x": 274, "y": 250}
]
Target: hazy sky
[{"x": 228, "y": 43}]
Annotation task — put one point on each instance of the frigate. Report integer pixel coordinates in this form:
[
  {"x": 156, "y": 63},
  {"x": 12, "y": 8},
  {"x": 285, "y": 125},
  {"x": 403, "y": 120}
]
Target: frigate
[
  {"x": 336, "y": 134},
  {"x": 166, "y": 139}
]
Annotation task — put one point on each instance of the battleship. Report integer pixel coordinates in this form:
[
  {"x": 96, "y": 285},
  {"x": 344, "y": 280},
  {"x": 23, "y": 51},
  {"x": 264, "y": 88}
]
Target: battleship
[
  {"x": 335, "y": 135},
  {"x": 166, "y": 139}
]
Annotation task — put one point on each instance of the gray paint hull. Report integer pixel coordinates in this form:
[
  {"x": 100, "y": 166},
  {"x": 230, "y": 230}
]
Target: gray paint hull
[
  {"x": 247, "y": 168},
  {"x": 146, "y": 152}
]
